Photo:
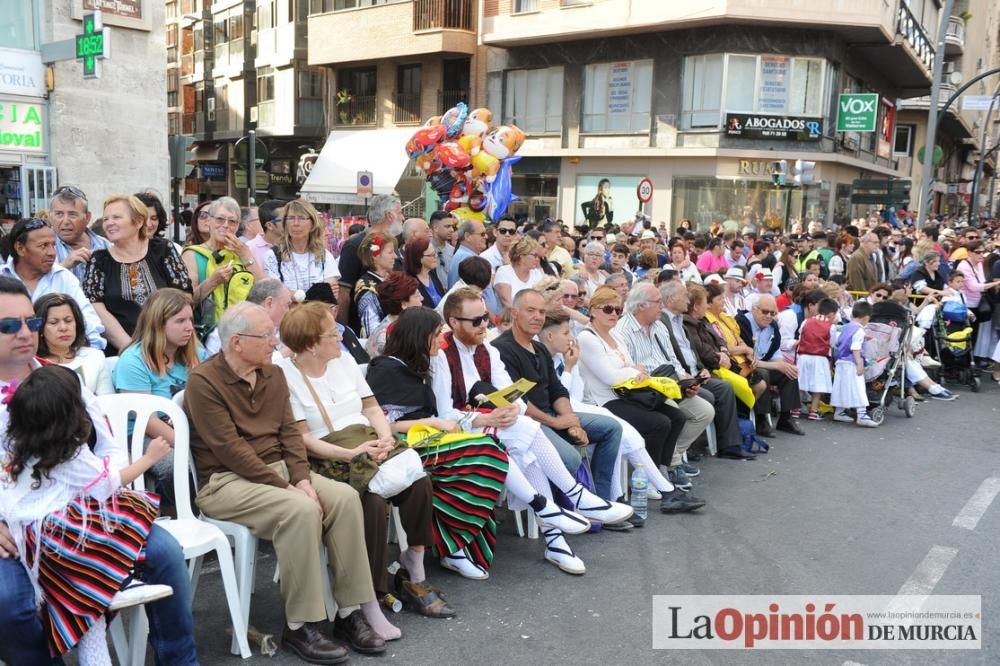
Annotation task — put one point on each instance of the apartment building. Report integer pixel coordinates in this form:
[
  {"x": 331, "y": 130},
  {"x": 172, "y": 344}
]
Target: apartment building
[
  {"x": 237, "y": 65},
  {"x": 964, "y": 135},
  {"x": 700, "y": 98},
  {"x": 391, "y": 65},
  {"x": 104, "y": 134}
]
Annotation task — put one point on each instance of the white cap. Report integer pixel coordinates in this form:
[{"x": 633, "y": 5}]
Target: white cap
[{"x": 647, "y": 235}]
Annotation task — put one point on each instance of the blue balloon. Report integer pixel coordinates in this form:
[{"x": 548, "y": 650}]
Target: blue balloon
[{"x": 499, "y": 194}]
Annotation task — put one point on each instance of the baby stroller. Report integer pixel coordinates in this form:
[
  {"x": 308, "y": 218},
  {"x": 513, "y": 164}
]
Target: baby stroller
[
  {"x": 887, "y": 343},
  {"x": 953, "y": 335}
]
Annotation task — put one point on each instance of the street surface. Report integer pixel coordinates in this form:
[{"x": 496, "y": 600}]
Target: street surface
[{"x": 841, "y": 511}]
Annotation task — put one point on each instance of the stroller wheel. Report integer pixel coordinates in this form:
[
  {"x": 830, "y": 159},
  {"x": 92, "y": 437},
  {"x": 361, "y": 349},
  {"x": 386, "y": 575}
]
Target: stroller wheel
[
  {"x": 909, "y": 406},
  {"x": 974, "y": 384},
  {"x": 877, "y": 415}
]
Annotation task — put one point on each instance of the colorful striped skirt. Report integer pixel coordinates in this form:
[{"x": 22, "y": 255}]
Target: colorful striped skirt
[
  {"x": 468, "y": 477},
  {"x": 89, "y": 551}
]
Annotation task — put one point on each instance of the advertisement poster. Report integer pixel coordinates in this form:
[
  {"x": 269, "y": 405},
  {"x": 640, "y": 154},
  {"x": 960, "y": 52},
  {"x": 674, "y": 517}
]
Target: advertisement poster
[
  {"x": 621, "y": 196},
  {"x": 620, "y": 88},
  {"x": 886, "y": 129},
  {"x": 773, "y": 93}
]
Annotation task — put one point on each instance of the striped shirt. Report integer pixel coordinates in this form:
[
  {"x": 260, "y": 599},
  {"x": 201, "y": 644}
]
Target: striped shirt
[{"x": 651, "y": 347}]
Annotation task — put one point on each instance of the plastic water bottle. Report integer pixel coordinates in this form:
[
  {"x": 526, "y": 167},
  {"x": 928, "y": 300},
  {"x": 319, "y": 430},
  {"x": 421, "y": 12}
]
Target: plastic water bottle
[{"x": 640, "y": 484}]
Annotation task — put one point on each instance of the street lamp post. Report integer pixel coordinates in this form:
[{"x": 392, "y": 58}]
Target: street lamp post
[{"x": 926, "y": 197}]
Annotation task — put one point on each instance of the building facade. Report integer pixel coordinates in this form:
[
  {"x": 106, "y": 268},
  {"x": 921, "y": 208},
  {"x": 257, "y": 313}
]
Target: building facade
[
  {"x": 702, "y": 102},
  {"x": 104, "y": 135}
]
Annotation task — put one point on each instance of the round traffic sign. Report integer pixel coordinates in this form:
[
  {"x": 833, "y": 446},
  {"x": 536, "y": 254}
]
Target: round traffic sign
[
  {"x": 645, "y": 190},
  {"x": 365, "y": 180}
]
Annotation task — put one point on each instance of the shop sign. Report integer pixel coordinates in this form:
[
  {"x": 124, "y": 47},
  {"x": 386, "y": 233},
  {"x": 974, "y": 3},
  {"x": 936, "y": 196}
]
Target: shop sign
[
  {"x": 22, "y": 73},
  {"x": 856, "y": 112},
  {"x": 134, "y": 14},
  {"x": 757, "y": 126},
  {"x": 213, "y": 170},
  {"x": 21, "y": 127},
  {"x": 755, "y": 168},
  {"x": 281, "y": 178}
]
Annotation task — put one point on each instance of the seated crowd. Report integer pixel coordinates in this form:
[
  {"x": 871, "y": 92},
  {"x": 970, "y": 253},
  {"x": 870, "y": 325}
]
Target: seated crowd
[{"x": 336, "y": 383}]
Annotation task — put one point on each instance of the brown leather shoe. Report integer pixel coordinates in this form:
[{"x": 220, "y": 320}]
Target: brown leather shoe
[
  {"x": 355, "y": 630},
  {"x": 421, "y": 597},
  {"x": 312, "y": 646}
]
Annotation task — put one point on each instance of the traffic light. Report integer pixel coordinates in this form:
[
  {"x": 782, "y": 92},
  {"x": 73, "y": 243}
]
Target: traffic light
[
  {"x": 804, "y": 172},
  {"x": 779, "y": 172}
]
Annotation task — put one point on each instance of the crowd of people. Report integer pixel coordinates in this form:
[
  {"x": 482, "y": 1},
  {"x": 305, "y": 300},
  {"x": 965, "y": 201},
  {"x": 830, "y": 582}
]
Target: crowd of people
[{"x": 327, "y": 382}]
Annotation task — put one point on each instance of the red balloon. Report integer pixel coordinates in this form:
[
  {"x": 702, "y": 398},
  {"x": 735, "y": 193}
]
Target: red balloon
[
  {"x": 424, "y": 140},
  {"x": 452, "y": 155}
]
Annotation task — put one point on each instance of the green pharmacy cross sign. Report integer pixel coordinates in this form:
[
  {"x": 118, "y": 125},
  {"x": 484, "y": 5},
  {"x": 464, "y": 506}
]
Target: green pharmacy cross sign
[{"x": 93, "y": 45}]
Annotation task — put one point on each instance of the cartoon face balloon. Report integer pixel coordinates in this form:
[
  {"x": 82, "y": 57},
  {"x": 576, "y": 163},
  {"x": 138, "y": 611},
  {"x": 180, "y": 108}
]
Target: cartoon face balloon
[
  {"x": 502, "y": 142},
  {"x": 424, "y": 140},
  {"x": 453, "y": 120},
  {"x": 452, "y": 155},
  {"x": 478, "y": 122}
]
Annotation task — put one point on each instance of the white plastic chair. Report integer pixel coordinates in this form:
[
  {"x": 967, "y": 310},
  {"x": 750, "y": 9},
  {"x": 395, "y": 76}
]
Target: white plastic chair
[
  {"x": 713, "y": 440},
  {"x": 130, "y": 643},
  {"x": 104, "y": 384},
  {"x": 196, "y": 537}
]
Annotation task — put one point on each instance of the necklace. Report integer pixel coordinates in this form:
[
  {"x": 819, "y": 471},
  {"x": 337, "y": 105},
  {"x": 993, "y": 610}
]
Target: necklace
[{"x": 298, "y": 268}]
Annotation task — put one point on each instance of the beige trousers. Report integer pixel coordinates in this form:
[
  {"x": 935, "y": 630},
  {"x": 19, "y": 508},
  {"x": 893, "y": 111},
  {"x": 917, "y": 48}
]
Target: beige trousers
[
  {"x": 298, "y": 527},
  {"x": 699, "y": 413}
]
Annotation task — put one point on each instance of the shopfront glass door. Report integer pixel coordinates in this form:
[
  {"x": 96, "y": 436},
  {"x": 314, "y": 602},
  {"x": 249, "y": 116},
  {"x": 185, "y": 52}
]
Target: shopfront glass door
[{"x": 37, "y": 185}]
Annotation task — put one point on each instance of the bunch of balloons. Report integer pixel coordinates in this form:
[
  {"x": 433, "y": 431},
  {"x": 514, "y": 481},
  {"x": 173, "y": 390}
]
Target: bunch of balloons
[{"x": 468, "y": 162}]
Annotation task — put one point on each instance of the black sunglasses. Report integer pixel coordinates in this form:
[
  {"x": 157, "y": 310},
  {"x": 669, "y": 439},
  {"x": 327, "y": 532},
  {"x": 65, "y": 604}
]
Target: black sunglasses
[
  {"x": 31, "y": 225},
  {"x": 608, "y": 309},
  {"x": 506, "y": 231},
  {"x": 475, "y": 321},
  {"x": 11, "y": 325}
]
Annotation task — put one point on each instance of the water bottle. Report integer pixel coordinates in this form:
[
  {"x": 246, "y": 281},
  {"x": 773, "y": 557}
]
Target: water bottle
[{"x": 640, "y": 484}]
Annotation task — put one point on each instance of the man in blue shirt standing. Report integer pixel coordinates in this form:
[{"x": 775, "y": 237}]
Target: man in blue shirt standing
[{"x": 70, "y": 218}]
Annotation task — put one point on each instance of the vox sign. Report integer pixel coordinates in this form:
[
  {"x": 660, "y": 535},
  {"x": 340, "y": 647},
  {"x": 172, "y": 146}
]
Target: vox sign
[{"x": 856, "y": 112}]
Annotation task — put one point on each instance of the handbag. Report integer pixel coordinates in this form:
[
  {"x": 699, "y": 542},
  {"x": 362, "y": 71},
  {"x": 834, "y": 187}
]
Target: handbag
[
  {"x": 360, "y": 470},
  {"x": 397, "y": 474}
]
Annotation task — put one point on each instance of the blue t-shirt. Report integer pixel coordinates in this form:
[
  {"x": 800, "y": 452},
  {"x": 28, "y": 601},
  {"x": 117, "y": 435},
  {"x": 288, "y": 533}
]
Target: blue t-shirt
[{"x": 132, "y": 374}]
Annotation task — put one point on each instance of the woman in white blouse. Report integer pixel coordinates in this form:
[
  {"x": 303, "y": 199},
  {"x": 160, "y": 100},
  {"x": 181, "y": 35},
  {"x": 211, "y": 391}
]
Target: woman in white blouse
[
  {"x": 340, "y": 419},
  {"x": 64, "y": 341},
  {"x": 522, "y": 272},
  {"x": 605, "y": 362},
  {"x": 301, "y": 259}
]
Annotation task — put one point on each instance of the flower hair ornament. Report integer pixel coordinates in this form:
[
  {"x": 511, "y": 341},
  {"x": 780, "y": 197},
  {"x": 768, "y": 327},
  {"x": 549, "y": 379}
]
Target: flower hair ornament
[
  {"x": 8, "y": 393},
  {"x": 376, "y": 246}
]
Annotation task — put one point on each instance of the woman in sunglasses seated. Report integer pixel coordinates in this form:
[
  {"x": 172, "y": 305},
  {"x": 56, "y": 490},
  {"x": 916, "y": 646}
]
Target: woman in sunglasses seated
[
  {"x": 605, "y": 362},
  {"x": 62, "y": 339},
  {"x": 213, "y": 263},
  {"x": 523, "y": 271}
]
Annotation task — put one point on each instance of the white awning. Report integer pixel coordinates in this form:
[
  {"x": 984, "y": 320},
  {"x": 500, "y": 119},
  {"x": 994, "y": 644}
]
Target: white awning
[{"x": 334, "y": 177}]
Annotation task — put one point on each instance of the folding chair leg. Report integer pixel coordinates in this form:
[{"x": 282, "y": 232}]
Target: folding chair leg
[
  {"x": 331, "y": 605},
  {"x": 397, "y": 529},
  {"x": 118, "y": 640},
  {"x": 713, "y": 442}
]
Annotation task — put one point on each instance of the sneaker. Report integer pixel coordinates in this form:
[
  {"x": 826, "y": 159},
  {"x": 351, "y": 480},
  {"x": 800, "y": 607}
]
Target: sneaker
[
  {"x": 842, "y": 418},
  {"x": 866, "y": 422},
  {"x": 814, "y": 416},
  {"x": 689, "y": 470},
  {"x": 679, "y": 478},
  {"x": 945, "y": 395},
  {"x": 653, "y": 494}
]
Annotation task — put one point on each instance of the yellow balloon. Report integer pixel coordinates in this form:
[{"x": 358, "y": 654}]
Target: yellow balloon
[{"x": 466, "y": 214}]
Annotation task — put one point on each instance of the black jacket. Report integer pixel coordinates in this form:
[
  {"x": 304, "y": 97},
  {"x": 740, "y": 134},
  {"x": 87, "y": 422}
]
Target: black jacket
[{"x": 746, "y": 334}]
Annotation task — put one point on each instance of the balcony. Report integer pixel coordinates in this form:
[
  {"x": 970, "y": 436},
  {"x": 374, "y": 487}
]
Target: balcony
[
  {"x": 193, "y": 123},
  {"x": 438, "y": 26},
  {"x": 449, "y": 98},
  {"x": 406, "y": 109},
  {"x": 954, "y": 38},
  {"x": 357, "y": 110}
]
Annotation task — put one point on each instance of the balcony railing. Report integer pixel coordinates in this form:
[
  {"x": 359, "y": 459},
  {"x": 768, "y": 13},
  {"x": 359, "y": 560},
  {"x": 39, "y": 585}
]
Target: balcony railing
[
  {"x": 358, "y": 110},
  {"x": 909, "y": 27},
  {"x": 407, "y": 108},
  {"x": 450, "y": 98},
  {"x": 446, "y": 14}
]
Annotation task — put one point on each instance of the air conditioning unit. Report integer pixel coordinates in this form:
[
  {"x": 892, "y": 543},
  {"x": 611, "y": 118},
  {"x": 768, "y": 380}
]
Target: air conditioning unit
[{"x": 253, "y": 114}]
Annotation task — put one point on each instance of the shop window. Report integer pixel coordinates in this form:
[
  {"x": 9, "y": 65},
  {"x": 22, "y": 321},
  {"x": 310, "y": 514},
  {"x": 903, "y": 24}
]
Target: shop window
[
  {"x": 19, "y": 26},
  {"x": 765, "y": 84},
  {"x": 902, "y": 145},
  {"x": 533, "y": 99},
  {"x": 707, "y": 201},
  {"x": 618, "y": 96}
]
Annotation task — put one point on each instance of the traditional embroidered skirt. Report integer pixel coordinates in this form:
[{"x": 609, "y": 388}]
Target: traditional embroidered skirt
[
  {"x": 468, "y": 477},
  {"x": 88, "y": 553}
]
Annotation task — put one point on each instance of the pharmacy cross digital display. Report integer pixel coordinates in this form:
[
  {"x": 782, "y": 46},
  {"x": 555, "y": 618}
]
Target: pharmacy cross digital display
[{"x": 91, "y": 46}]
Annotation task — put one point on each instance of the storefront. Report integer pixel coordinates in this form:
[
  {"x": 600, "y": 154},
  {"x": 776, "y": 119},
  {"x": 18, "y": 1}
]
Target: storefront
[{"x": 27, "y": 178}]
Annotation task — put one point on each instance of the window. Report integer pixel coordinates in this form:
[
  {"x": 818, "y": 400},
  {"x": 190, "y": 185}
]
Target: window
[
  {"x": 171, "y": 10},
  {"x": 522, "y": 6},
  {"x": 265, "y": 84},
  {"x": 454, "y": 83},
  {"x": 902, "y": 145},
  {"x": 18, "y": 26},
  {"x": 533, "y": 99},
  {"x": 266, "y": 15},
  {"x": 407, "y": 94},
  {"x": 617, "y": 96},
  {"x": 221, "y": 25},
  {"x": 764, "y": 84},
  {"x": 173, "y": 84},
  {"x": 355, "y": 97},
  {"x": 310, "y": 106}
]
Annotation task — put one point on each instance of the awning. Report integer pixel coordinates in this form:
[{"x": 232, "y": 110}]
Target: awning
[
  {"x": 334, "y": 177},
  {"x": 205, "y": 152}
]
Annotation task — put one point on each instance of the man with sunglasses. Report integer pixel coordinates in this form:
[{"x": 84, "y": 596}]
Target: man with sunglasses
[
  {"x": 75, "y": 242},
  {"x": 22, "y": 639},
  {"x": 32, "y": 261},
  {"x": 759, "y": 330},
  {"x": 269, "y": 215},
  {"x": 498, "y": 253},
  {"x": 471, "y": 243}
]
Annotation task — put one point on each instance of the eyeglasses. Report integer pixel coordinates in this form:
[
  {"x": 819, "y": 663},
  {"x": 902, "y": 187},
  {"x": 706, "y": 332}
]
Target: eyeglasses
[
  {"x": 202, "y": 214},
  {"x": 570, "y": 297},
  {"x": 768, "y": 313},
  {"x": 70, "y": 190},
  {"x": 609, "y": 309},
  {"x": 599, "y": 239},
  {"x": 475, "y": 321},
  {"x": 11, "y": 325},
  {"x": 231, "y": 221},
  {"x": 296, "y": 218},
  {"x": 881, "y": 295},
  {"x": 264, "y": 336},
  {"x": 505, "y": 231}
]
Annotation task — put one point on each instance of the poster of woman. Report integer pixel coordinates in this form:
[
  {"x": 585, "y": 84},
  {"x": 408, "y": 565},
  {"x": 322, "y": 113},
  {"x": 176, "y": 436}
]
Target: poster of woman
[{"x": 599, "y": 211}]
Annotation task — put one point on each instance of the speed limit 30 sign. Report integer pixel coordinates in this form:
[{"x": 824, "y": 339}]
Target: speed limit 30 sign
[{"x": 645, "y": 190}]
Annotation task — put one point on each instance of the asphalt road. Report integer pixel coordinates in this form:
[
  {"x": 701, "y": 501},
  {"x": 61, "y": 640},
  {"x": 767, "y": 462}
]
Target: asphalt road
[{"x": 842, "y": 511}]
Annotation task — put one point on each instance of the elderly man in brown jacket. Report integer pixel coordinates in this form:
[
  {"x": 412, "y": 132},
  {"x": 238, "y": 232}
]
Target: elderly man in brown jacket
[
  {"x": 861, "y": 274},
  {"x": 252, "y": 470}
]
